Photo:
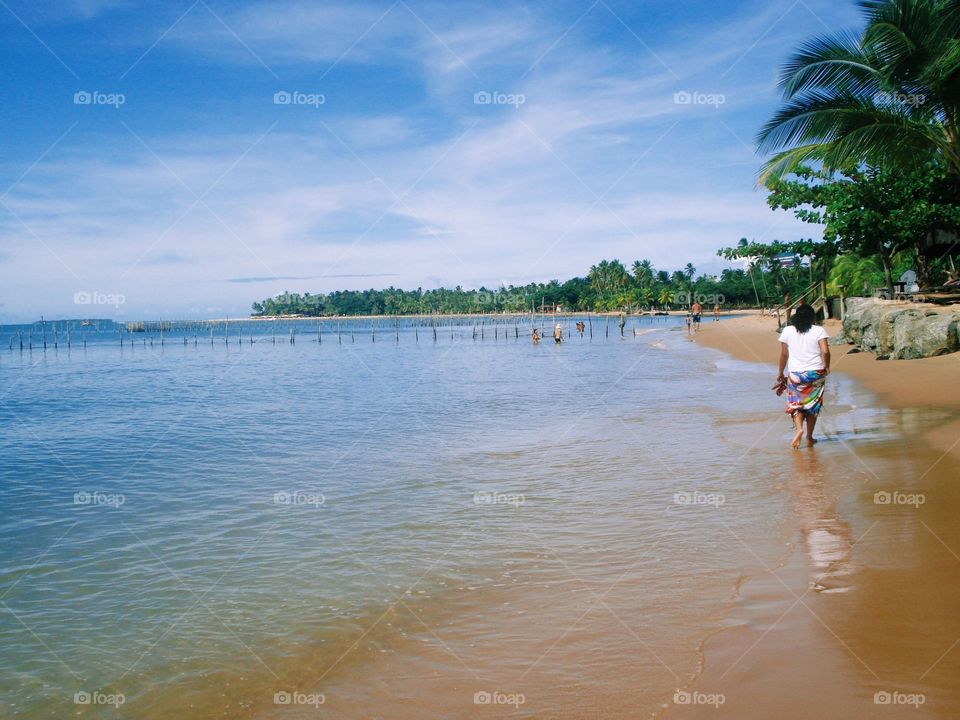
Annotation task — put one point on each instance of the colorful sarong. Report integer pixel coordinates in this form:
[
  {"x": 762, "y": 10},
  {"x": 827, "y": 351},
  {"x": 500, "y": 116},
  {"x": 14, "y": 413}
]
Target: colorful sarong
[{"x": 805, "y": 391}]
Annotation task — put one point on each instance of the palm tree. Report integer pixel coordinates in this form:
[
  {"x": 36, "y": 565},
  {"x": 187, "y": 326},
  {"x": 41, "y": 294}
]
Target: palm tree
[
  {"x": 690, "y": 271},
  {"x": 643, "y": 272},
  {"x": 665, "y": 298},
  {"x": 889, "y": 97},
  {"x": 646, "y": 297}
]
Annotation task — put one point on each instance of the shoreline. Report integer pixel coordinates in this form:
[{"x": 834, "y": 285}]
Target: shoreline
[
  {"x": 420, "y": 316},
  {"x": 925, "y": 381},
  {"x": 835, "y": 629},
  {"x": 902, "y": 384}
]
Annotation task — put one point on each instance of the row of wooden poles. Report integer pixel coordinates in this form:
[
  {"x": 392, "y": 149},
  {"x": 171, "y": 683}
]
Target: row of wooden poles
[{"x": 436, "y": 325}]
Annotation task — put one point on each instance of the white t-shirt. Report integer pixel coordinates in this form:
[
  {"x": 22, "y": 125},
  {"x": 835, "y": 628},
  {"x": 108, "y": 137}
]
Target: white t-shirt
[{"x": 804, "y": 348}]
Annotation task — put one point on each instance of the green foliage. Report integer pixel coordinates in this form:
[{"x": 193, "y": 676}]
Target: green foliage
[
  {"x": 607, "y": 287},
  {"x": 857, "y": 275},
  {"x": 887, "y": 96},
  {"x": 872, "y": 212}
]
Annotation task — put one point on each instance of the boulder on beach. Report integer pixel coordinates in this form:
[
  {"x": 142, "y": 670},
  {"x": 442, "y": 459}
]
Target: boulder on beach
[{"x": 900, "y": 331}]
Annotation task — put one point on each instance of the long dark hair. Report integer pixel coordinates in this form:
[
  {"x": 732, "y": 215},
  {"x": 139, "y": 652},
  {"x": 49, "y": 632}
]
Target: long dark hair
[{"x": 803, "y": 318}]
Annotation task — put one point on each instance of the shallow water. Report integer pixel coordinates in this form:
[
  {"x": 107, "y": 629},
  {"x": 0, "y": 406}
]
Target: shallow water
[{"x": 381, "y": 524}]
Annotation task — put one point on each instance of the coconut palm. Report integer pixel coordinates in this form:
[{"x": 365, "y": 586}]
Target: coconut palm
[
  {"x": 888, "y": 96},
  {"x": 665, "y": 297},
  {"x": 643, "y": 272}
]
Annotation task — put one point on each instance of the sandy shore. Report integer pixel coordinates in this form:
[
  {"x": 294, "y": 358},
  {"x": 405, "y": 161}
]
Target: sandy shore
[
  {"x": 860, "y": 618},
  {"x": 902, "y": 383},
  {"x": 928, "y": 382}
]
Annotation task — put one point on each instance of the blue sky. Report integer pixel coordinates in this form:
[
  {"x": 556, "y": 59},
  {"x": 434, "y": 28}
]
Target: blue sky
[{"x": 146, "y": 153}]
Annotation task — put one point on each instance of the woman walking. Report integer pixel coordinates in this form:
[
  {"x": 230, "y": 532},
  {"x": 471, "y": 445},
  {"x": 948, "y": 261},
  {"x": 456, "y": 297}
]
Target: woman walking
[{"x": 805, "y": 354}]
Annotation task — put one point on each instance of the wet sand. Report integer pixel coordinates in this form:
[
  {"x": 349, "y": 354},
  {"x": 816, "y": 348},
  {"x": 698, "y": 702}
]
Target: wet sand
[
  {"x": 861, "y": 619},
  {"x": 924, "y": 383},
  {"x": 800, "y": 597}
]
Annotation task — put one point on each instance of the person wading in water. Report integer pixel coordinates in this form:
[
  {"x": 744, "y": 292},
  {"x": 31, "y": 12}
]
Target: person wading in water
[{"x": 805, "y": 354}]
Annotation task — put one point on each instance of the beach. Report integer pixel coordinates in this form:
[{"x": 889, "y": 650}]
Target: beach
[
  {"x": 859, "y": 619},
  {"x": 583, "y": 530},
  {"x": 924, "y": 383}
]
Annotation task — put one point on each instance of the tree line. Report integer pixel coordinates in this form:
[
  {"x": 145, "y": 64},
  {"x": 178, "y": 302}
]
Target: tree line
[{"x": 608, "y": 286}]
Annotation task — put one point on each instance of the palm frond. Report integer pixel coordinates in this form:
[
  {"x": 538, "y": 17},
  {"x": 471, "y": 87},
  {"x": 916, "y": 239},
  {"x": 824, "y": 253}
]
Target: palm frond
[{"x": 836, "y": 62}]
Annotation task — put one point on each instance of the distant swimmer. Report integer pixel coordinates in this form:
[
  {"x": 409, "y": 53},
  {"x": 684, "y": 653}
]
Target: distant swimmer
[
  {"x": 558, "y": 334},
  {"x": 581, "y": 326},
  {"x": 535, "y": 337},
  {"x": 697, "y": 310}
]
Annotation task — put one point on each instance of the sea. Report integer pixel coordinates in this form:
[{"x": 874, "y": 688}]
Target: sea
[{"x": 380, "y": 518}]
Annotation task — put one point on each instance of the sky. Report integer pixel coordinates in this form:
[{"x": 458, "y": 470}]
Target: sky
[{"x": 183, "y": 159}]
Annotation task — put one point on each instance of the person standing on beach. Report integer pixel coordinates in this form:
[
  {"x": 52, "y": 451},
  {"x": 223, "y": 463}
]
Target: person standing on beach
[
  {"x": 805, "y": 354},
  {"x": 697, "y": 310},
  {"x": 716, "y": 312}
]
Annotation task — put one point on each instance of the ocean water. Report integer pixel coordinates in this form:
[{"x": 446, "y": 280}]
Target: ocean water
[{"x": 220, "y": 529}]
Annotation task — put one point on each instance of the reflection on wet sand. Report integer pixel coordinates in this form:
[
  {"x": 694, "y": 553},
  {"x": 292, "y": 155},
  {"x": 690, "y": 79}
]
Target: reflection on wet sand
[{"x": 826, "y": 538}]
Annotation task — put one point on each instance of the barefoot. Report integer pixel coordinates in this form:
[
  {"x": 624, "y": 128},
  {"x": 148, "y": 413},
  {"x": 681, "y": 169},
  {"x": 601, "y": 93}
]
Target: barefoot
[
  {"x": 811, "y": 441},
  {"x": 796, "y": 440}
]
